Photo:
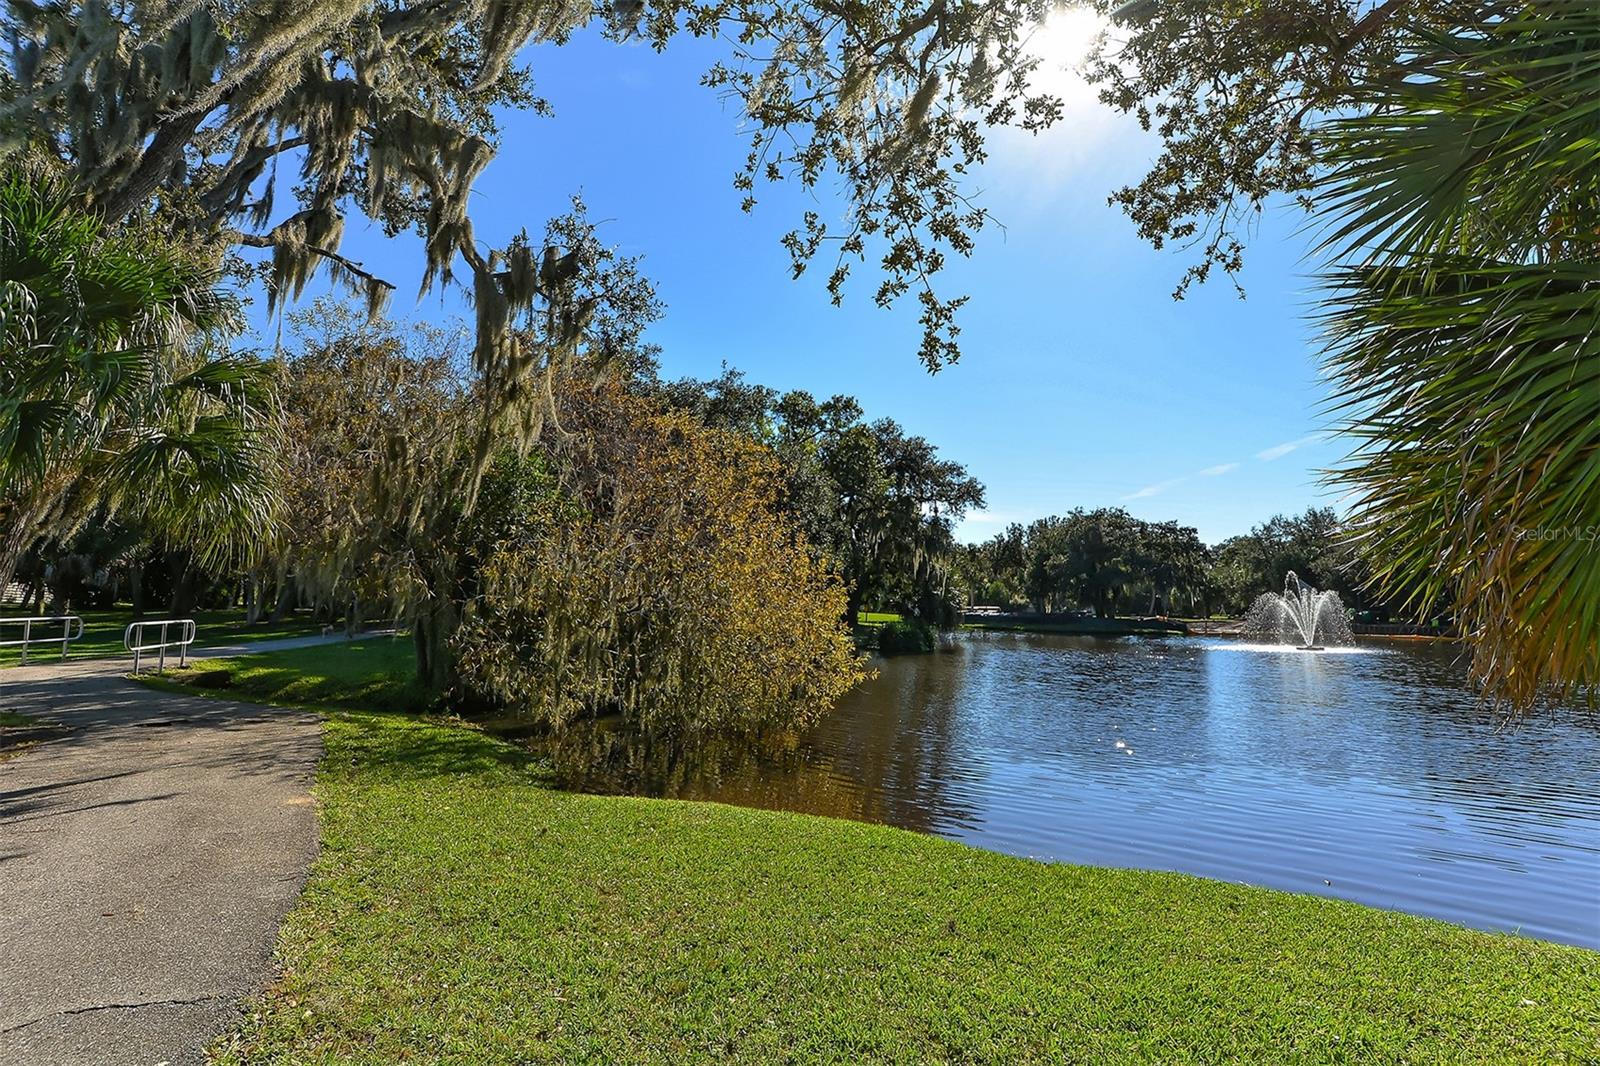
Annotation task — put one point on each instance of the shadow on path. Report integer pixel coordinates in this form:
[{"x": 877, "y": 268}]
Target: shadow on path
[{"x": 147, "y": 858}]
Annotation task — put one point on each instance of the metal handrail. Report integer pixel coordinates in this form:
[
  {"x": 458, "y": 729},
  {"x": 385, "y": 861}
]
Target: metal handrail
[
  {"x": 67, "y": 621},
  {"x": 132, "y": 639}
]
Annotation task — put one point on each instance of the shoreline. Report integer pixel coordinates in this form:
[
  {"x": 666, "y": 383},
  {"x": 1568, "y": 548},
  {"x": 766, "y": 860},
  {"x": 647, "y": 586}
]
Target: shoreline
[
  {"x": 1089, "y": 627},
  {"x": 1216, "y": 627}
]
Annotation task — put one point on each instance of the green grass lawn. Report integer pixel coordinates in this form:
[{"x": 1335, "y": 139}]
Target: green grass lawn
[
  {"x": 462, "y": 911},
  {"x": 876, "y": 618},
  {"x": 102, "y": 633},
  {"x": 379, "y": 672}
]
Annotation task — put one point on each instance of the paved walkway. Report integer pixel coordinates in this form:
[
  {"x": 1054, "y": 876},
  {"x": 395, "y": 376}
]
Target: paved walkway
[{"x": 146, "y": 861}]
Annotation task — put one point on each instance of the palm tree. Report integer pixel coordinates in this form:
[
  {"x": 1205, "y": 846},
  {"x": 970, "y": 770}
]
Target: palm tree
[
  {"x": 1464, "y": 320},
  {"x": 112, "y": 392}
]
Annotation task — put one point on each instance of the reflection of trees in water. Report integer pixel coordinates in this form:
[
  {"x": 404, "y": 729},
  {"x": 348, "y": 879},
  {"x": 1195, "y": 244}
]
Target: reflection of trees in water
[
  {"x": 920, "y": 745},
  {"x": 886, "y": 754},
  {"x": 902, "y": 738},
  {"x": 777, "y": 772}
]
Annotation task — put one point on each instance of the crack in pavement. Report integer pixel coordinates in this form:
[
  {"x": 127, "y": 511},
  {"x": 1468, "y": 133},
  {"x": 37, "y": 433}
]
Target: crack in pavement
[{"x": 91, "y": 1008}]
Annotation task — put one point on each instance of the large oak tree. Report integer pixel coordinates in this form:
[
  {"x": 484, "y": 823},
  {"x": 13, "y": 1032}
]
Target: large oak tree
[{"x": 385, "y": 108}]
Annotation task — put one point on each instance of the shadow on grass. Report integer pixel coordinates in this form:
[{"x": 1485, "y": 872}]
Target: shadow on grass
[
  {"x": 373, "y": 674},
  {"x": 387, "y": 692},
  {"x": 381, "y": 723},
  {"x": 389, "y": 746}
]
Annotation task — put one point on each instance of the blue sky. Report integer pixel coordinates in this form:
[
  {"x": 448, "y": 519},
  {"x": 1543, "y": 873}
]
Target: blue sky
[{"x": 1083, "y": 383}]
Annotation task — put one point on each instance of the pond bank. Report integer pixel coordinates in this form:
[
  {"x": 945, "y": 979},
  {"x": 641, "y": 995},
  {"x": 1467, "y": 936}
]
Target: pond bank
[
  {"x": 462, "y": 910},
  {"x": 1070, "y": 624},
  {"x": 1125, "y": 627}
]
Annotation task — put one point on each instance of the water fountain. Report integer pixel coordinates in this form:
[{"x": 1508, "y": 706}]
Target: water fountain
[{"x": 1301, "y": 614}]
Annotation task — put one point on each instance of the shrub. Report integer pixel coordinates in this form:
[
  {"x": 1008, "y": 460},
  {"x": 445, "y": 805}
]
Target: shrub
[
  {"x": 907, "y": 636},
  {"x": 212, "y": 679},
  {"x": 660, "y": 582}
]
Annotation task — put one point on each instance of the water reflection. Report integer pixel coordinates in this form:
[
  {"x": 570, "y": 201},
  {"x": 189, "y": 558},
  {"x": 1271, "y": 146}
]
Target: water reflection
[{"x": 1374, "y": 776}]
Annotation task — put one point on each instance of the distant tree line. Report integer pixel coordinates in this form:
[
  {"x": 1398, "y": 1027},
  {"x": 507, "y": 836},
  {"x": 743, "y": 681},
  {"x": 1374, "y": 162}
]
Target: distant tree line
[{"x": 1109, "y": 562}]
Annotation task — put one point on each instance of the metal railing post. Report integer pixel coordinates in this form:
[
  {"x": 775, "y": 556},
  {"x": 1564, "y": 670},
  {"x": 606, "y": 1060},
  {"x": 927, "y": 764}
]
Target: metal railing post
[
  {"x": 71, "y": 630},
  {"x": 133, "y": 640}
]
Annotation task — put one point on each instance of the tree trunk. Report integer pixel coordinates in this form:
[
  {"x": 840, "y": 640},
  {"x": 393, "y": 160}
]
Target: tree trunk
[
  {"x": 852, "y": 607},
  {"x": 286, "y": 592},
  {"x": 184, "y": 589},
  {"x": 136, "y": 587},
  {"x": 24, "y": 516},
  {"x": 10, "y": 555},
  {"x": 432, "y": 628},
  {"x": 252, "y": 598},
  {"x": 154, "y": 167},
  {"x": 419, "y": 644}
]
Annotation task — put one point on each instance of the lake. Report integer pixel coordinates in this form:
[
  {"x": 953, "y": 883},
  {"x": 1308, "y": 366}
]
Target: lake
[{"x": 1371, "y": 774}]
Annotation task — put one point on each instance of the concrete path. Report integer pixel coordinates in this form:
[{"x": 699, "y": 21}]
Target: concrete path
[{"x": 146, "y": 861}]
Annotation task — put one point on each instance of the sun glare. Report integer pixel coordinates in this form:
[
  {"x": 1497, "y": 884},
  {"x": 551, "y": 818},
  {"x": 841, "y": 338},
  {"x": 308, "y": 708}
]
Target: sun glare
[
  {"x": 1063, "y": 44},
  {"x": 1067, "y": 34}
]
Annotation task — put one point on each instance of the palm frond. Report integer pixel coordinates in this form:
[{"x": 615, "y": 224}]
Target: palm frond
[
  {"x": 111, "y": 392},
  {"x": 1482, "y": 132},
  {"x": 1464, "y": 334}
]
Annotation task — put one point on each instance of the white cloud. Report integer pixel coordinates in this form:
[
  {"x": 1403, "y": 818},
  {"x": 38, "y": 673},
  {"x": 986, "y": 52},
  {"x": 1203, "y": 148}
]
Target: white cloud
[
  {"x": 1278, "y": 451},
  {"x": 1153, "y": 490},
  {"x": 988, "y": 518}
]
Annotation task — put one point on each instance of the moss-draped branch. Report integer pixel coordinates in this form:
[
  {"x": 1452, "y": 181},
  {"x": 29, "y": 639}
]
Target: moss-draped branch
[{"x": 385, "y": 108}]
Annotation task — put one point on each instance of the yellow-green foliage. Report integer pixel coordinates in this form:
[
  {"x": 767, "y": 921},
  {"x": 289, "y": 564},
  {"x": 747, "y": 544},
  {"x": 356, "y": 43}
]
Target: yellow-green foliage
[{"x": 669, "y": 588}]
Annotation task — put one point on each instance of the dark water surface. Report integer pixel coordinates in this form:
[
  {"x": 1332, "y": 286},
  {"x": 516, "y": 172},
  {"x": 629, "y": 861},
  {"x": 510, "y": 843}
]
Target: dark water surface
[{"x": 1371, "y": 774}]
